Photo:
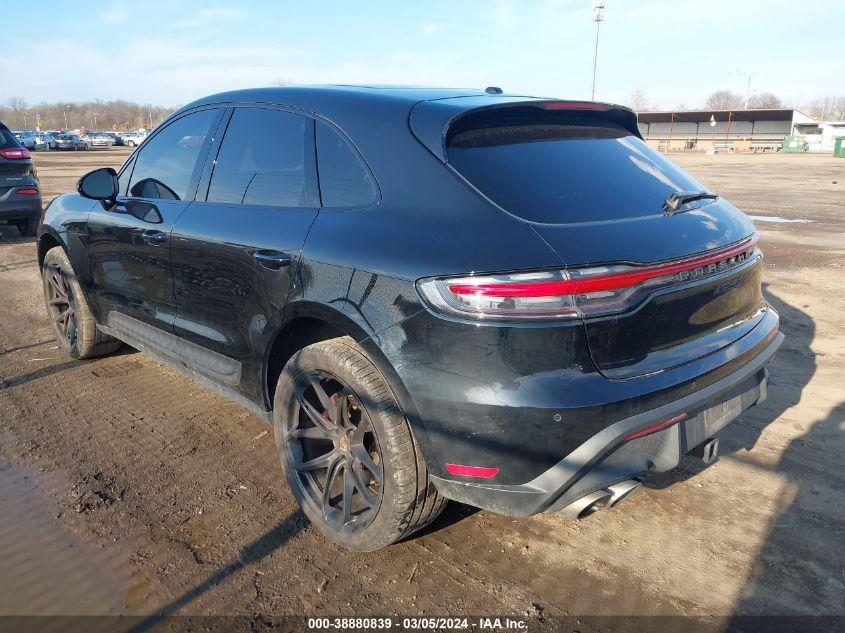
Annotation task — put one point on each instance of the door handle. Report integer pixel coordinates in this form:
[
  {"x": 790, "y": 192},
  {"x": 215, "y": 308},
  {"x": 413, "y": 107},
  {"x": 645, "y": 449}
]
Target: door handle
[
  {"x": 153, "y": 237},
  {"x": 272, "y": 260}
]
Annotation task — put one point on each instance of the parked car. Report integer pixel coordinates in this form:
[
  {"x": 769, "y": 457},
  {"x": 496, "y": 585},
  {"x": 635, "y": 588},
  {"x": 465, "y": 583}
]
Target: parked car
[
  {"x": 20, "y": 191},
  {"x": 512, "y": 302},
  {"x": 134, "y": 138},
  {"x": 49, "y": 140},
  {"x": 98, "y": 140},
  {"x": 115, "y": 137},
  {"x": 71, "y": 142},
  {"x": 26, "y": 139},
  {"x": 41, "y": 142}
]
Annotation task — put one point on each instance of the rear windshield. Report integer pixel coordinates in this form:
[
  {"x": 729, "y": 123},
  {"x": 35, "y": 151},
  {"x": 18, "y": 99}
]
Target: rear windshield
[{"x": 566, "y": 170}]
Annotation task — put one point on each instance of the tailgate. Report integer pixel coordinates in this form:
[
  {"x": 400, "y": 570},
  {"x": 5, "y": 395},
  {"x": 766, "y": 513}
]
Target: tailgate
[{"x": 680, "y": 324}]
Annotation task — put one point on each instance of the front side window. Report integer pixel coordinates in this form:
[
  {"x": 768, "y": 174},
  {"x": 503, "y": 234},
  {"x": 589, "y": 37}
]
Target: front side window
[
  {"x": 266, "y": 159},
  {"x": 344, "y": 179},
  {"x": 125, "y": 174},
  {"x": 164, "y": 169}
]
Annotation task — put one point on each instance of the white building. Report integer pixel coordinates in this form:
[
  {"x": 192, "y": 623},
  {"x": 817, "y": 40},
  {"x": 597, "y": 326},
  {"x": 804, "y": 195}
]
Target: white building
[{"x": 821, "y": 136}]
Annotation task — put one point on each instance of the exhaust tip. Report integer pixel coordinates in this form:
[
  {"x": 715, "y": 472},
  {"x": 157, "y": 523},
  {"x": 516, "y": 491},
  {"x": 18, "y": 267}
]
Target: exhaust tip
[
  {"x": 622, "y": 490},
  {"x": 708, "y": 451},
  {"x": 587, "y": 505}
]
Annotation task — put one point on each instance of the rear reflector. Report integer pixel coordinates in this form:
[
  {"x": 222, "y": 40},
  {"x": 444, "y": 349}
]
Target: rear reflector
[
  {"x": 578, "y": 292},
  {"x": 28, "y": 192},
  {"x": 472, "y": 471},
  {"x": 654, "y": 428},
  {"x": 15, "y": 152}
]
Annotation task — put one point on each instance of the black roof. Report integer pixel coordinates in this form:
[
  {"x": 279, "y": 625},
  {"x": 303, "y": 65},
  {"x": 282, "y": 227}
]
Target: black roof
[
  {"x": 313, "y": 97},
  {"x": 371, "y": 114}
]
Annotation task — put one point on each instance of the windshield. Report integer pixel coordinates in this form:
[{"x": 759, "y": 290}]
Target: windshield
[{"x": 567, "y": 171}]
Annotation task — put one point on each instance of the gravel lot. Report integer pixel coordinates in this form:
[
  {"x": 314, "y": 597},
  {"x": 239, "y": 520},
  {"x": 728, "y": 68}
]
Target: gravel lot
[{"x": 125, "y": 488}]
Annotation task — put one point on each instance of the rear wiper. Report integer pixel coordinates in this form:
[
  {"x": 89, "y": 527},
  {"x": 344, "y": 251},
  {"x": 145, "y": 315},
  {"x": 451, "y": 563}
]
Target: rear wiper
[{"x": 680, "y": 198}]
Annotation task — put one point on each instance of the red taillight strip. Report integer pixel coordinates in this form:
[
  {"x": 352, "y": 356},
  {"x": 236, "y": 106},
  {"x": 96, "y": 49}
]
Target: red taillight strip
[
  {"x": 28, "y": 192},
  {"x": 655, "y": 427},
  {"x": 602, "y": 282},
  {"x": 481, "y": 472},
  {"x": 15, "y": 152},
  {"x": 573, "y": 105}
]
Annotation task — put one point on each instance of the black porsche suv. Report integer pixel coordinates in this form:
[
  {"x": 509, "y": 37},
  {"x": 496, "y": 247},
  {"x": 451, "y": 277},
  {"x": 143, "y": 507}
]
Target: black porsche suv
[
  {"x": 20, "y": 193},
  {"x": 431, "y": 294}
]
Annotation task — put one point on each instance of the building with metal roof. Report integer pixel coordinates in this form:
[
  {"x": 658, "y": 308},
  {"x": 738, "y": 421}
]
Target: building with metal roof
[{"x": 739, "y": 130}]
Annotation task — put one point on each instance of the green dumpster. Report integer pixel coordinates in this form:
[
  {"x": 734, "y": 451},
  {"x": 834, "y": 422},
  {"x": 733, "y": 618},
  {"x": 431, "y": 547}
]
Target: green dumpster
[
  {"x": 839, "y": 147},
  {"x": 794, "y": 143}
]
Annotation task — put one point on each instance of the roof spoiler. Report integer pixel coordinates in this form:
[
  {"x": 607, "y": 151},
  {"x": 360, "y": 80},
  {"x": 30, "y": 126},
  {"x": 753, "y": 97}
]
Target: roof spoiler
[{"x": 430, "y": 120}]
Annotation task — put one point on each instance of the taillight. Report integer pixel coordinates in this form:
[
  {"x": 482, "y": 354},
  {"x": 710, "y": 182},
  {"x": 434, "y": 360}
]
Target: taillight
[
  {"x": 573, "y": 105},
  {"x": 572, "y": 293},
  {"x": 15, "y": 152},
  {"x": 27, "y": 192}
]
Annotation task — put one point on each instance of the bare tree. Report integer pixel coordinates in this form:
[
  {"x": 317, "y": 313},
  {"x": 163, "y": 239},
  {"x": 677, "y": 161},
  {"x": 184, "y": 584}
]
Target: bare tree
[
  {"x": 764, "y": 100},
  {"x": 723, "y": 100},
  {"x": 106, "y": 115},
  {"x": 829, "y": 108},
  {"x": 19, "y": 108},
  {"x": 638, "y": 100}
]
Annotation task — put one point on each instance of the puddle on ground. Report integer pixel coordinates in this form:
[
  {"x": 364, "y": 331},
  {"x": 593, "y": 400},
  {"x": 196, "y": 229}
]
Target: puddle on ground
[
  {"x": 779, "y": 220},
  {"x": 44, "y": 568}
]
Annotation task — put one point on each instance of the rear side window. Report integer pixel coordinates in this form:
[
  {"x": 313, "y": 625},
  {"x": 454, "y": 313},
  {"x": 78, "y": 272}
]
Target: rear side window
[
  {"x": 7, "y": 139},
  {"x": 165, "y": 167},
  {"x": 266, "y": 159},
  {"x": 344, "y": 179},
  {"x": 566, "y": 170}
]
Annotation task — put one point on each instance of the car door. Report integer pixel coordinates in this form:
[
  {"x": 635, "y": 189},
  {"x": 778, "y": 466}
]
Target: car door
[
  {"x": 129, "y": 243},
  {"x": 235, "y": 250}
]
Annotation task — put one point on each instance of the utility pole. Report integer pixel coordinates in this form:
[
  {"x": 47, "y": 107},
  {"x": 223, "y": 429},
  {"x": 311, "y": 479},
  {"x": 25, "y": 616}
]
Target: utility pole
[
  {"x": 64, "y": 111},
  {"x": 598, "y": 9}
]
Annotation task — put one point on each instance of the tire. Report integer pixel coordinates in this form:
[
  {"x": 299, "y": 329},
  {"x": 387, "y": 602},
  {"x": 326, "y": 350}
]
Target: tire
[
  {"x": 76, "y": 331},
  {"x": 396, "y": 501},
  {"x": 28, "y": 228},
  {"x": 131, "y": 143}
]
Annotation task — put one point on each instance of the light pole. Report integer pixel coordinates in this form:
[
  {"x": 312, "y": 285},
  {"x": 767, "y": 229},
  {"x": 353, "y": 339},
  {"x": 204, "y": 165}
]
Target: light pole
[
  {"x": 742, "y": 73},
  {"x": 748, "y": 90},
  {"x": 65, "y": 113},
  {"x": 598, "y": 9}
]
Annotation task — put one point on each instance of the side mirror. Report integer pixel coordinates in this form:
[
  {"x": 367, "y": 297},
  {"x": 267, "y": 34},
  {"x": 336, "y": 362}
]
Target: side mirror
[{"x": 100, "y": 184}]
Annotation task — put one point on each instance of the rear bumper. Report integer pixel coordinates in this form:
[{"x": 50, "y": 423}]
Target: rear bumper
[
  {"x": 605, "y": 458},
  {"x": 18, "y": 207}
]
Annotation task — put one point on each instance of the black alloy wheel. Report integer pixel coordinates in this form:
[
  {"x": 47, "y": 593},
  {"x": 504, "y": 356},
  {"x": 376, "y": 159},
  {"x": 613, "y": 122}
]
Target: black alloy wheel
[
  {"x": 61, "y": 306},
  {"x": 333, "y": 449}
]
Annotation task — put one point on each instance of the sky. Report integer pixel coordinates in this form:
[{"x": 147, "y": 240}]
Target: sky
[{"x": 171, "y": 52}]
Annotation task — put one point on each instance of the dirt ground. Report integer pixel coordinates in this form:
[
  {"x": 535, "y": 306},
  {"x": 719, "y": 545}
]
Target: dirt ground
[{"x": 127, "y": 489}]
